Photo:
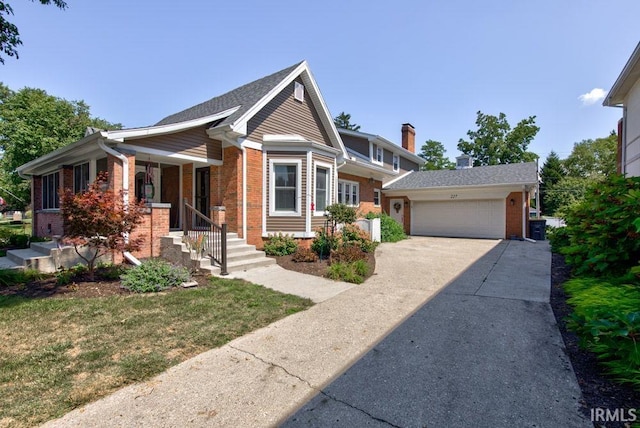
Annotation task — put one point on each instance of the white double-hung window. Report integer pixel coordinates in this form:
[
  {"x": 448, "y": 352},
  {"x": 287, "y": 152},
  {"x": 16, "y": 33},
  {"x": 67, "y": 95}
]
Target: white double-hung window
[
  {"x": 285, "y": 186},
  {"x": 377, "y": 154},
  {"x": 348, "y": 193}
]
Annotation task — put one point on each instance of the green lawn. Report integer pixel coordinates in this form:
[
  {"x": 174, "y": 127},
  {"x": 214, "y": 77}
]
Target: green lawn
[{"x": 57, "y": 354}]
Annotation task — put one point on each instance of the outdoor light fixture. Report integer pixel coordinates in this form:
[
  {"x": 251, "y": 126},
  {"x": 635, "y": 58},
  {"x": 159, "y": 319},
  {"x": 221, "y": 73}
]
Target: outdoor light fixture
[{"x": 512, "y": 202}]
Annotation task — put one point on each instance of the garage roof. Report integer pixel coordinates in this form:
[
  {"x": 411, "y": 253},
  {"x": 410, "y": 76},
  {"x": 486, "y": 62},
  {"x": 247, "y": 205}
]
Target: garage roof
[{"x": 510, "y": 174}]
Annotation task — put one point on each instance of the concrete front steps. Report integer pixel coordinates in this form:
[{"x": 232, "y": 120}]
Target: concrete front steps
[
  {"x": 240, "y": 255},
  {"x": 44, "y": 256}
]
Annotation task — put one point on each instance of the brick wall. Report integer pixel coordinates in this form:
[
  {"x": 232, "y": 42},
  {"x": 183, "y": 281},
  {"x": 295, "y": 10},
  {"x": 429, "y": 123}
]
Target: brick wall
[
  {"x": 47, "y": 224},
  {"x": 154, "y": 225},
  {"x": 254, "y": 197},
  {"x": 366, "y": 192},
  {"x": 231, "y": 188},
  {"x": 514, "y": 215},
  {"x": 187, "y": 183}
]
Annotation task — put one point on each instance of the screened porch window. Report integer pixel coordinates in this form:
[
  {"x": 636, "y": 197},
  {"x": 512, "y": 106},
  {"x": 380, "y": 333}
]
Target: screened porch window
[
  {"x": 81, "y": 178},
  {"x": 50, "y": 184}
]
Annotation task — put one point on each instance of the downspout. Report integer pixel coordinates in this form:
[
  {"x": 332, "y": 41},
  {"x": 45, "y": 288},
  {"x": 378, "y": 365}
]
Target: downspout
[
  {"x": 524, "y": 214},
  {"x": 125, "y": 191}
]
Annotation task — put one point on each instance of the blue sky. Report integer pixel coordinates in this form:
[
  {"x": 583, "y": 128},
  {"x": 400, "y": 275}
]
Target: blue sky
[{"x": 433, "y": 63}]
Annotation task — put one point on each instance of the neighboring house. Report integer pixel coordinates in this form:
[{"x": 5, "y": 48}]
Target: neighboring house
[
  {"x": 625, "y": 93},
  {"x": 479, "y": 202},
  {"x": 371, "y": 162}
]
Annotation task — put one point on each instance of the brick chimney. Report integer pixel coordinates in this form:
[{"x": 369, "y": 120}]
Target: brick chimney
[{"x": 409, "y": 137}]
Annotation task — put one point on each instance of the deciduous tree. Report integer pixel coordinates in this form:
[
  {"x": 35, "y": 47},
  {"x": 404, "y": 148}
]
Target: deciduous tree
[
  {"x": 9, "y": 35},
  {"x": 34, "y": 123},
  {"x": 99, "y": 221},
  {"x": 593, "y": 158},
  {"x": 495, "y": 143},
  {"x": 433, "y": 153}
]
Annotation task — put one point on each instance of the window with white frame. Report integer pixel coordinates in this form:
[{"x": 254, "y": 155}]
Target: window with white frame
[
  {"x": 377, "y": 154},
  {"x": 322, "y": 195},
  {"x": 376, "y": 197},
  {"x": 285, "y": 187},
  {"x": 81, "y": 177},
  {"x": 396, "y": 162},
  {"x": 50, "y": 184},
  {"x": 348, "y": 193},
  {"x": 298, "y": 91}
]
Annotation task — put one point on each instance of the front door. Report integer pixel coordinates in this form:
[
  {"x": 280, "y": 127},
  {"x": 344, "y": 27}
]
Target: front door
[
  {"x": 202, "y": 190},
  {"x": 397, "y": 210}
]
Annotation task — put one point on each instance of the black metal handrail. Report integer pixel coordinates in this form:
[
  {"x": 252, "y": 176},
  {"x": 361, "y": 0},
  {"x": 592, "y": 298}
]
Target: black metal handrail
[{"x": 206, "y": 237}]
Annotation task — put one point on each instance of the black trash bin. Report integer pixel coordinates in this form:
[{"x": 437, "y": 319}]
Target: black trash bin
[{"x": 537, "y": 229}]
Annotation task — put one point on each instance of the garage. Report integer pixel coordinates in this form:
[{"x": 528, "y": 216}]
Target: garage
[
  {"x": 459, "y": 219},
  {"x": 474, "y": 202}
]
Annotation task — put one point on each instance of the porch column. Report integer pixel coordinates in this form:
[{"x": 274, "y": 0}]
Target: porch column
[{"x": 218, "y": 214}]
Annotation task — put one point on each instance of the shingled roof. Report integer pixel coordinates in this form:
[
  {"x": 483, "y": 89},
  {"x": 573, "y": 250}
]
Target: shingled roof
[
  {"x": 510, "y": 174},
  {"x": 245, "y": 96}
]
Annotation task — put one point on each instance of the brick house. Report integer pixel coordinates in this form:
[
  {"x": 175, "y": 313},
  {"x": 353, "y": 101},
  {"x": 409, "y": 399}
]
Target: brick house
[{"x": 263, "y": 158}]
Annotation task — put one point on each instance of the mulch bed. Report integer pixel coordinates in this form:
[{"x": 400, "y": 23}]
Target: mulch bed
[
  {"x": 81, "y": 288},
  {"x": 598, "y": 390},
  {"x": 318, "y": 268}
]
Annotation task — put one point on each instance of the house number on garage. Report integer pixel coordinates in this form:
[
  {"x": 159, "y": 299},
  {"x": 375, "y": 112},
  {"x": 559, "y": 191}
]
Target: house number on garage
[{"x": 454, "y": 196}]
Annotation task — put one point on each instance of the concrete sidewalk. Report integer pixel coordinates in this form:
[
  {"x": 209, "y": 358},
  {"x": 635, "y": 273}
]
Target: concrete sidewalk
[
  {"x": 260, "y": 378},
  {"x": 485, "y": 352}
]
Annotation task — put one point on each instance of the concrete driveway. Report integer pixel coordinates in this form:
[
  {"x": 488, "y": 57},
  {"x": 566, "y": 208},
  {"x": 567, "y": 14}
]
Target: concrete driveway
[
  {"x": 484, "y": 352},
  {"x": 262, "y": 378}
]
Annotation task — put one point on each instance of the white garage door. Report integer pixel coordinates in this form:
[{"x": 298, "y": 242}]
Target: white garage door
[{"x": 463, "y": 219}]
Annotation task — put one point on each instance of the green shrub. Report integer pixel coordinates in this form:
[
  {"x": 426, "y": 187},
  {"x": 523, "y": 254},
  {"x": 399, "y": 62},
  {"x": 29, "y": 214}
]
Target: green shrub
[
  {"x": 66, "y": 276},
  {"x": 38, "y": 239},
  {"x": 280, "y": 245},
  {"x": 16, "y": 276},
  {"x": 5, "y": 236},
  {"x": 607, "y": 321},
  {"x": 304, "y": 255},
  {"x": 342, "y": 214},
  {"x": 558, "y": 238},
  {"x": 19, "y": 240},
  {"x": 603, "y": 238},
  {"x": 350, "y": 234},
  {"x": 153, "y": 275},
  {"x": 111, "y": 271},
  {"x": 348, "y": 272},
  {"x": 347, "y": 254},
  {"x": 323, "y": 243},
  {"x": 390, "y": 229}
]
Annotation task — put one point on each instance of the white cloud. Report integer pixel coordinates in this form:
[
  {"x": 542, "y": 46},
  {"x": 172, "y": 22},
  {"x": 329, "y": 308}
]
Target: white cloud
[{"x": 590, "y": 98}]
